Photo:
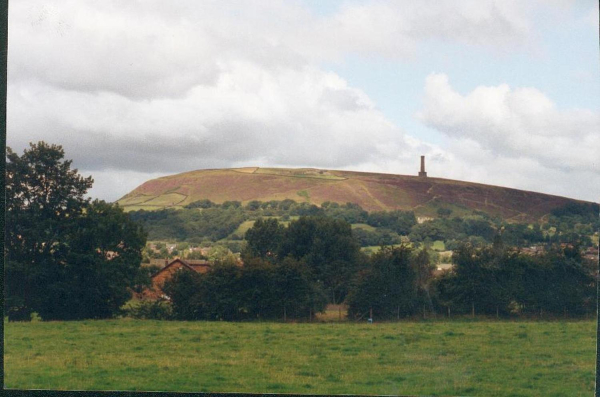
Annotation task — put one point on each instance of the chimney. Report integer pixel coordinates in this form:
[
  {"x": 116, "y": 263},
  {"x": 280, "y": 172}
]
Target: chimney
[{"x": 422, "y": 173}]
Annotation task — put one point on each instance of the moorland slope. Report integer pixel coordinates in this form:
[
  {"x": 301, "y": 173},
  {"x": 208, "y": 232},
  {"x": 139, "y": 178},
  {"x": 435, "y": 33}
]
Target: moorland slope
[{"x": 372, "y": 191}]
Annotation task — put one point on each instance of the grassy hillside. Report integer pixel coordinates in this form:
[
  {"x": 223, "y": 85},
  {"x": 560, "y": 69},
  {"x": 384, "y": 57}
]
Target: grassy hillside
[{"x": 371, "y": 191}]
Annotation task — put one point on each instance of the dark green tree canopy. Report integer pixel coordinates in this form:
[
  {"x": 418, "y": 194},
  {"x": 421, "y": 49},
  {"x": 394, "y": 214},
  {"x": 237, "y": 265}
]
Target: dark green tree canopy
[
  {"x": 42, "y": 194},
  {"x": 263, "y": 238},
  {"x": 387, "y": 287},
  {"x": 66, "y": 258}
]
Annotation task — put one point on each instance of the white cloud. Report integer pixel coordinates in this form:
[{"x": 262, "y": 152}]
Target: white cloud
[
  {"x": 294, "y": 117},
  {"x": 519, "y": 122},
  {"x": 134, "y": 88},
  {"x": 515, "y": 134},
  {"x": 154, "y": 49}
]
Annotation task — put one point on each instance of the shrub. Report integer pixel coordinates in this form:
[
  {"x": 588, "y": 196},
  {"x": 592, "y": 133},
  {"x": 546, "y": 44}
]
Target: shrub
[{"x": 151, "y": 310}]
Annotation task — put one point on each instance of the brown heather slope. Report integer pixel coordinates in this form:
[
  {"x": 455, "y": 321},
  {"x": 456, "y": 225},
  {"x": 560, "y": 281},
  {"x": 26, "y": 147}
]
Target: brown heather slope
[{"x": 370, "y": 190}]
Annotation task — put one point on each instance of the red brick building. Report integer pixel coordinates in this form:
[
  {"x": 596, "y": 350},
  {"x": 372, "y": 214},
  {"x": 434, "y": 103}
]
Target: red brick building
[{"x": 159, "y": 278}]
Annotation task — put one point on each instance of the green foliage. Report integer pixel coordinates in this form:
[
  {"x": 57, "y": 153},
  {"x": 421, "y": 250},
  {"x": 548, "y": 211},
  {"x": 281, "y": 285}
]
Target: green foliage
[
  {"x": 377, "y": 237},
  {"x": 185, "y": 292},
  {"x": 521, "y": 235},
  {"x": 231, "y": 204},
  {"x": 212, "y": 223},
  {"x": 230, "y": 220},
  {"x": 400, "y": 222},
  {"x": 205, "y": 203},
  {"x": 66, "y": 258},
  {"x": 297, "y": 295},
  {"x": 144, "y": 277},
  {"x": 388, "y": 286},
  {"x": 253, "y": 205},
  {"x": 329, "y": 250},
  {"x": 150, "y": 310},
  {"x": 349, "y": 212},
  {"x": 493, "y": 280},
  {"x": 444, "y": 212},
  {"x": 263, "y": 239},
  {"x": 581, "y": 209},
  {"x": 258, "y": 290},
  {"x": 195, "y": 255},
  {"x": 431, "y": 230}
]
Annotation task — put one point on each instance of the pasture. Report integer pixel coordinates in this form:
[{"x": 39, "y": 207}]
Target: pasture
[{"x": 460, "y": 357}]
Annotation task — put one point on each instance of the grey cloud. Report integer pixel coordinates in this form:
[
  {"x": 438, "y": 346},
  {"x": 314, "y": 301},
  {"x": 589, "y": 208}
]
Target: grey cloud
[{"x": 144, "y": 88}]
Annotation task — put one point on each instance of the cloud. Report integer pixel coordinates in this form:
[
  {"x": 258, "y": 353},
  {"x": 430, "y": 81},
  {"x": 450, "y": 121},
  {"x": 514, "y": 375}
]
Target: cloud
[
  {"x": 152, "y": 87},
  {"x": 517, "y": 137},
  {"x": 153, "y": 49},
  {"x": 297, "y": 117},
  {"x": 520, "y": 122}
]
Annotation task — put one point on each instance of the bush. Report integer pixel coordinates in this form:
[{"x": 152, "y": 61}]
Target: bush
[{"x": 151, "y": 310}]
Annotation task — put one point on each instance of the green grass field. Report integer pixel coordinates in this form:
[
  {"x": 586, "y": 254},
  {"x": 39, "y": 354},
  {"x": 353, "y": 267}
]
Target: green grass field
[
  {"x": 438, "y": 245},
  {"x": 368, "y": 228},
  {"x": 418, "y": 358}
]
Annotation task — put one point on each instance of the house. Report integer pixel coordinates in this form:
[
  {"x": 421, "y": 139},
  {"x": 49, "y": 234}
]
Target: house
[
  {"x": 591, "y": 254},
  {"x": 442, "y": 268},
  {"x": 160, "y": 277}
]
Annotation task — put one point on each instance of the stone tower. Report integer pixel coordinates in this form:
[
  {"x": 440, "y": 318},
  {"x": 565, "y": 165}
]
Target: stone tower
[{"x": 422, "y": 173}]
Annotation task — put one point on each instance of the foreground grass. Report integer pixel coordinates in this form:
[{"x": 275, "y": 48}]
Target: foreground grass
[{"x": 448, "y": 358}]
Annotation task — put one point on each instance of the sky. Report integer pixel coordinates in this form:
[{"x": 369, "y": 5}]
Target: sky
[{"x": 497, "y": 92}]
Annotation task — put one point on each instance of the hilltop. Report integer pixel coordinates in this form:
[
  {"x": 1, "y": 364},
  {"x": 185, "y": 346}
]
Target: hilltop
[{"x": 372, "y": 191}]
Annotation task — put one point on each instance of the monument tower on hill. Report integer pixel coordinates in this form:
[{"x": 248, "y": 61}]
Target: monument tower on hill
[{"x": 422, "y": 173}]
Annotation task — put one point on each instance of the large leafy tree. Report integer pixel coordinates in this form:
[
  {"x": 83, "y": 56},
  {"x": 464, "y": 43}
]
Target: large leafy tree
[
  {"x": 263, "y": 239},
  {"x": 329, "y": 250},
  {"x": 473, "y": 279},
  {"x": 388, "y": 287},
  {"x": 423, "y": 269},
  {"x": 66, "y": 258},
  {"x": 298, "y": 295},
  {"x": 43, "y": 193}
]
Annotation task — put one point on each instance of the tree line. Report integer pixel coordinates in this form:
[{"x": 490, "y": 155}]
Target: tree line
[
  {"x": 501, "y": 281},
  {"x": 323, "y": 261},
  {"x": 205, "y": 222},
  {"x": 68, "y": 258}
]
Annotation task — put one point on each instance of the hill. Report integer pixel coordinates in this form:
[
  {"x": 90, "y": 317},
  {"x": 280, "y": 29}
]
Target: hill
[{"x": 372, "y": 191}]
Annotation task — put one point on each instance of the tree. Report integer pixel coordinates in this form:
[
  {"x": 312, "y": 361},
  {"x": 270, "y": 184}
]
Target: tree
[
  {"x": 42, "y": 194},
  {"x": 221, "y": 254},
  {"x": 388, "y": 287},
  {"x": 263, "y": 238},
  {"x": 471, "y": 280},
  {"x": 253, "y": 205},
  {"x": 66, "y": 258},
  {"x": 329, "y": 250},
  {"x": 185, "y": 292},
  {"x": 444, "y": 212},
  {"x": 258, "y": 289},
  {"x": 297, "y": 295},
  {"x": 423, "y": 269}
]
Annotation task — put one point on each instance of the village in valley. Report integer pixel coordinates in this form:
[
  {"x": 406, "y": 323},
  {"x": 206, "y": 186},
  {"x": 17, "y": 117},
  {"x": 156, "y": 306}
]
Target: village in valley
[{"x": 165, "y": 260}]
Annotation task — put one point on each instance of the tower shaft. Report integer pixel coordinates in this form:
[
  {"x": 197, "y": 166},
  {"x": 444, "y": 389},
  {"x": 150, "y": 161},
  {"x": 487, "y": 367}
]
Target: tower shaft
[{"x": 422, "y": 173}]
